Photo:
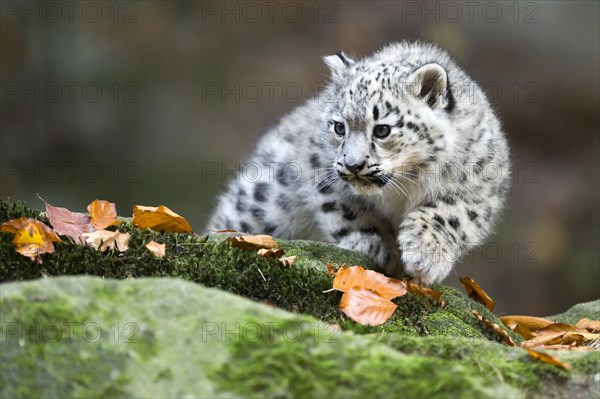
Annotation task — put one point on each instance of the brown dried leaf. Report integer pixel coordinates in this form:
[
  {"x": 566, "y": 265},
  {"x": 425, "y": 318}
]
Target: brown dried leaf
[
  {"x": 288, "y": 260},
  {"x": 270, "y": 253},
  {"x": 546, "y": 358},
  {"x": 104, "y": 239},
  {"x": 560, "y": 334},
  {"x": 524, "y": 324},
  {"x": 103, "y": 213},
  {"x": 250, "y": 242},
  {"x": 158, "y": 250},
  {"x": 475, "y": 292},
  {"x": 356, "y": 276},
  {"x": 417, "y": 289},
  {"x": 590, "y": 325},
  {"x": 71, "y": 224},
  {"x": 496, "y": 328},
  {"x": 159, "y": 218},
  {"x": 367, "y": 307},
  {"x": 331, "y": 271}
]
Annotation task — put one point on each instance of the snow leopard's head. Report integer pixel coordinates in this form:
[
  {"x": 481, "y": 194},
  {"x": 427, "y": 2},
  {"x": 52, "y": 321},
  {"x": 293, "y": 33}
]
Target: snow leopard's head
[{"x": 385, "y": 121}]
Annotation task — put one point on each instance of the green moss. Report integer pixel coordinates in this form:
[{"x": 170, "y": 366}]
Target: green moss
[
  {"x": 345, "y": 368},
  {"x": 212, "y": 262}
]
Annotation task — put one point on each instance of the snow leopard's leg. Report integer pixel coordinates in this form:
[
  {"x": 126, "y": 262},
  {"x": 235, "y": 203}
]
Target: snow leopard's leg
[
  {"x": 349, "y": 224},
  {"x": 434, "y": 236}
]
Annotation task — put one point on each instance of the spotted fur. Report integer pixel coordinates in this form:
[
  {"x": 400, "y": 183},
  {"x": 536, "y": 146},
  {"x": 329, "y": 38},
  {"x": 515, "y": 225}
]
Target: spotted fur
[{"x": 402, "y": 158}]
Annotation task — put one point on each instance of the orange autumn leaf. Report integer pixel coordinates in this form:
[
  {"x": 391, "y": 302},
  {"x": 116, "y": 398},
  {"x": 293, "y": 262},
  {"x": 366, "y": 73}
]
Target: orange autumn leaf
[
  {"x": 103, "y": 213},
  {"x": 331, "y": 271},
  {"x": 496, "y": 328},
  {"x": 475, "y": 292},
  {"x": 32, "y": 238},
  {"x": 366, "y": 307},
  {"x": 356, "y": 276},
  {"x": 251, "y": 242},
  {"x": 71, "y": 224},
  {"x": 158, "y": 250},
  {"x": 546, "y": 358},
  {"x": 159, "y": 218},
  {"x": 419, "y": 290}
]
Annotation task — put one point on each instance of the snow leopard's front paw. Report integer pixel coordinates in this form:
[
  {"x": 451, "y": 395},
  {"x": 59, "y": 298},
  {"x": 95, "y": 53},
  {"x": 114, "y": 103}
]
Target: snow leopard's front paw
[
  {"x": 373, "y": 246},
  {"x": 425, "y": 257}
]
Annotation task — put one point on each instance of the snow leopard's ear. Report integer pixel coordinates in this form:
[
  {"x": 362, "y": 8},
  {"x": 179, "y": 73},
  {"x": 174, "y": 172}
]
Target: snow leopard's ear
[
  {"x": 338, "y": 63},
  {"x": 430, "y": 84}
]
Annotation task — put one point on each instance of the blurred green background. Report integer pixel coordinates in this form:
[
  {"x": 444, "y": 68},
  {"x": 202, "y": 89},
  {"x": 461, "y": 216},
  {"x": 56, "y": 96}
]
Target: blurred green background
[{"x": 130, "y": 101}]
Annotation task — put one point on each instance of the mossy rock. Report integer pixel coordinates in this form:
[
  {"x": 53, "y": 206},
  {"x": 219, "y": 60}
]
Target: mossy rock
[
  {"x": 162, "y": 337},
  {"x": 213, "y": 262},
  {"x": 419, "y": 341}
]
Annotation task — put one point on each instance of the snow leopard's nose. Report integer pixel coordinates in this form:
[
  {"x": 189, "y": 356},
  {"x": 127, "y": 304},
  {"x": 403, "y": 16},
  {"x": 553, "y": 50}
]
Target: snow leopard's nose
[{"x": 355, "y": 167}]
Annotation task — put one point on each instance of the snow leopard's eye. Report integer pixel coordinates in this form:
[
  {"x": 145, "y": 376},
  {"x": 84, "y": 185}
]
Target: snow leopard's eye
[
  {"x": 339, "y": 128},
  {"x": 382, "y": 131}
]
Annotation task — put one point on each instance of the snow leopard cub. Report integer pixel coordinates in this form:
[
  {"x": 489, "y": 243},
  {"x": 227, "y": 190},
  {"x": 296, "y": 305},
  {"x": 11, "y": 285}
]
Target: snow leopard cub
[{"x": 401, "y": 158}]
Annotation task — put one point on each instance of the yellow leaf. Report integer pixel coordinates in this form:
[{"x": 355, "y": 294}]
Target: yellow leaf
[
  {"x": 32, "y": 238},
  {"x": 160, "y": 219},
  {"x": 103, "y": 213}
]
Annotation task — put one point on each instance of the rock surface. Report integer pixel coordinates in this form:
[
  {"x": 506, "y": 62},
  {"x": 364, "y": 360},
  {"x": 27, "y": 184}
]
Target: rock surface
[
  {"x": 90, "y": 337},
  {"x": 273, "y": 334}
]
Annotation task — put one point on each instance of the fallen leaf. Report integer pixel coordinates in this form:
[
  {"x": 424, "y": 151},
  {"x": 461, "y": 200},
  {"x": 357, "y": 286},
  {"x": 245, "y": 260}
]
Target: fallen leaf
[
  {"x": 14, "y": 225},
  {"x": 158, "y": 250},
  {"x": 270, "y": 253},
  {"x": 32, "y": 238},
  {"x": 546, "y": 358},
  {"x": 71, "y": 224},
  {"x": 590, "y": 325},
  {"x": 103, "y": 214},
  {"x": 560, "y": 334},
  {"x": 366, "y": 307},
  {"x": 417, "y": 289},
  {"x": 104, "y": 239},
  {"x": 475, "y": 292},
  {"x": 288, "y": 261},
  {"x": 525, "y": 325},
  {"x": 250, "y": 242},
  {"x": 356, "y": 276},
  {"x": 331, "y": 271},
  {"x": 159, "y": 218},
  {"x": 496, "y": 328}
]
